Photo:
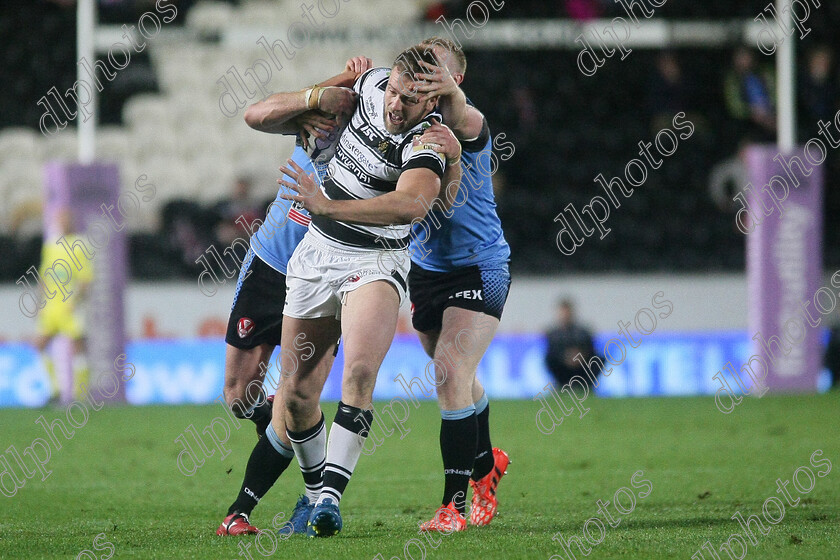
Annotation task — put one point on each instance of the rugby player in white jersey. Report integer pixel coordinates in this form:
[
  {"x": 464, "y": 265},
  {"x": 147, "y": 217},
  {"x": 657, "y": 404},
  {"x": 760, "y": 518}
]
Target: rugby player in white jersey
[
  {"x": 256, "y": 319},
  {"x": 381, "y": 175}
]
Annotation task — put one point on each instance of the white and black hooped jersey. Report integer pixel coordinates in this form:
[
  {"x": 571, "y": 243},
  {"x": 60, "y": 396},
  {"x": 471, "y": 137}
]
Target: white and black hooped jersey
[{"x": 368, "y": 162}]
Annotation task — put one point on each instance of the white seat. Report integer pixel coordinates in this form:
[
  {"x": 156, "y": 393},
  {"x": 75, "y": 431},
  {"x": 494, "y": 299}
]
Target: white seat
[
  {"x": 179, "y": 65},
  {"x": 22, "y": 214},
  {"x": 20, "y": 143},
  {"x": 209, "y": 179},
  {"x": 21, "y": 183},
  {"x": 112, "y": 143},
  {"x": 148, "y": 142},
  {"x": 201, "y": 140},
  {"x": 379, "y": 12},
  {"x": 209, "y": 16},
  {"x": 261, "y": 12},
  {"x": 170, "y": 176},
  {"x": 62, "y": 146},
  {"x": 145, "y": 110}
]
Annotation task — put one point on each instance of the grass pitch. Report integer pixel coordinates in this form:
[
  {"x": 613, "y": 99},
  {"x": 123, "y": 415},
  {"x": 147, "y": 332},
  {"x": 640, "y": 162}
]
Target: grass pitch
[{"x": 118, "y": 476}]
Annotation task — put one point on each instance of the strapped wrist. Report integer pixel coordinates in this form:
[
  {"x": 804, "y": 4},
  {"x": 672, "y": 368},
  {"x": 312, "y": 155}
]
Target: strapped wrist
[{"x": 313, "y": 97}]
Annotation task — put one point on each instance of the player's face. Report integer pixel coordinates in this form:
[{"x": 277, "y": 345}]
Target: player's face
[{"x": 403, "y": 109}]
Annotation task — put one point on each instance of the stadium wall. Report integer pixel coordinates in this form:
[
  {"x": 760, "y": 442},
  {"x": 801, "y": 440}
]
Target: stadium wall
[
  {"x": 192, "y": 371},
  {"x": 180, "y": 310},
  {"x": 177, "y": 351}
]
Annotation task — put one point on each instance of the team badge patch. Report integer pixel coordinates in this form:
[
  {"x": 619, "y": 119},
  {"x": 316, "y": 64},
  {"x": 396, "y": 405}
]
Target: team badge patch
[
  {"x": 361, "y": 274},
  {"x": 383, "y": 146},
  {"x": 245, "y": 327}
]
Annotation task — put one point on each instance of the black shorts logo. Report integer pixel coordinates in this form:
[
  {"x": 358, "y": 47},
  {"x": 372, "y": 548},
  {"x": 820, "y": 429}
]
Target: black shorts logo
[
  {"x": 467, "y": 294},
  {"x": 245, "y": 327}
]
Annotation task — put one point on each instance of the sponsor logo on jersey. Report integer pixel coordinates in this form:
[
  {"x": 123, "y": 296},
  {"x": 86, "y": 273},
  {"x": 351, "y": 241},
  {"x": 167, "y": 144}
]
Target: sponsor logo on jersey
[
  {"x": 371, "y": 107},
  {"x": 418, "y": 146},
  {"x": 467, "y": 294},
  {"x": 245, "y": 327},
  {"x": 369, "y": 132}
]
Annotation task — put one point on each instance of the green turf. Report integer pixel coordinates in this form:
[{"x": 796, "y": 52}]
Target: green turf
[{"x": 118, "y": 476}]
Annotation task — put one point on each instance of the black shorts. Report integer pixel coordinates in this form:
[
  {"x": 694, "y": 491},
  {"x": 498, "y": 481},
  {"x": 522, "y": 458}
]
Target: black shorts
[
  {"x": 256, "y": 316},
  {"x": 473, "y": 288}
]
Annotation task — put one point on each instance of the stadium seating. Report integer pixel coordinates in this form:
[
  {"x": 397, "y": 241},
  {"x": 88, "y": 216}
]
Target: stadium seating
[{"x": 581, "y": 126}]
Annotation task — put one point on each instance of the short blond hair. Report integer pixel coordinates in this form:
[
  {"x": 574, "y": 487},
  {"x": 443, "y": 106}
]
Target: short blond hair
[{"x": 455, "y": 52}]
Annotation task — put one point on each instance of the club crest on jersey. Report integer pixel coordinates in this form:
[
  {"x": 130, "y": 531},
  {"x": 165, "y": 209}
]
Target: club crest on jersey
[
  {"x": 245, "y": 327},
  {"x": 383, "y": 146},
  {"x": 361, "y": 274}
]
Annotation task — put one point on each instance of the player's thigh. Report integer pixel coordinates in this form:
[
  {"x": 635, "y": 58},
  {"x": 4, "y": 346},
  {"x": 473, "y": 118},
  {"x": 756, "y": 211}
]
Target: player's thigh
[
  {"x": 306, "y": 355},
  {"x": 52, "y": 319},
  {"x": 429, "y": 339},
  {"x": 464, "y": 338},
  {"x": 470, "y": 332},
  {"x": 428, "y": 293},
  {"x": 368, "y": 323},
  {"x": 471, "y": 315},
  {"x": 72, "y": 326},
  {"x": 243, "y": 367}
]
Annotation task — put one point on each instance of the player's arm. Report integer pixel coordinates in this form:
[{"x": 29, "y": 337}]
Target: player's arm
[
  {"x": 400, "y": 206},
  {"x": 287, "y": 113},
  {"x": 275, "y": 114},
  {"x": 443, "y": 141},
  {"x": 410, "y": 200},
  {"x": 465, "y": 120}
]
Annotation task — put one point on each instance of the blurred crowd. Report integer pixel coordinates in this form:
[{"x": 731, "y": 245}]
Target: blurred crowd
[{"x": 567, "y": 129}]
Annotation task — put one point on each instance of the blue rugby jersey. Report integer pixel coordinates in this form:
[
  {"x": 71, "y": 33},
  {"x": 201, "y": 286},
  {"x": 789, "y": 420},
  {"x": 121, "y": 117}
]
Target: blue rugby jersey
[
  {"x": 470, "y": 233},
  {"x": 286, "y": 222}
]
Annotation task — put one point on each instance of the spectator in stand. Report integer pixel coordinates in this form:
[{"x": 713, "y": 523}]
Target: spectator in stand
[
  {"x": 669, "y": 91},
  {"x": 818, "y": 92},
  {"x": 187, "y": 228},
  {"x": 236, "y": 213},
  {"x": 525, "y": 108},
  {"x": 749, "y": 92},
  {"x": 565, "y": 341}
]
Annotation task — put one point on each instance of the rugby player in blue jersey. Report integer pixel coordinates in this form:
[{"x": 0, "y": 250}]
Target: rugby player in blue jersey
[
  {"x": 458, "y": 285},
  {"x": 256, "y": 318}
]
